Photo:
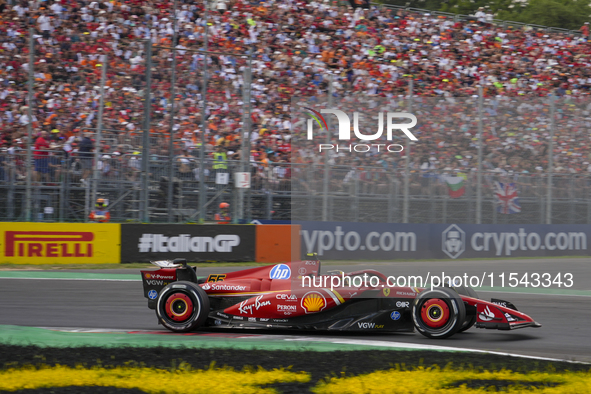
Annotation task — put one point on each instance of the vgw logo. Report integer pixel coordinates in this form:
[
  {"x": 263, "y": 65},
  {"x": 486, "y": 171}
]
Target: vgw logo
[{"x": 345, "y": 130}]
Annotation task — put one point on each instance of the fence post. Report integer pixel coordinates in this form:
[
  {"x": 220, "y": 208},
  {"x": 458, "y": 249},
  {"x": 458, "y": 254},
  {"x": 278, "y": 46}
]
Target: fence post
[
  {"x": 326, "y": 165},
  {"x": 245, "y": 140},
  {"x": 145, "y": 205},
  {"x": 550, "y": 163},
  {"x": 97, "y": 143},
  {"x": 30, "y": 127},
  {"x": 356, "y": 196},
  {"x": 407, "y": 160},
  {"x": 202, "y": 188},
  {"x": 170, "y": 198},
  {"x": 479, "y": 175},
  {"x": 248, "y": 120},
  {"x": 391, "y": 197},
  {"x": 11, "y": 185}
]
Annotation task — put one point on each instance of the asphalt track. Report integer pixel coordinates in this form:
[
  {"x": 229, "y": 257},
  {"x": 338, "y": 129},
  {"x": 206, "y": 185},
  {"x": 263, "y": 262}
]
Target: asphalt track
[{"x": 565, "y": 318}]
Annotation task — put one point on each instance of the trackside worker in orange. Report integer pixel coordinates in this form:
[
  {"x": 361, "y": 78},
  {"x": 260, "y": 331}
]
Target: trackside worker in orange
[
  {"x": 100, "y": 214},
  {"x": 224, "y": 216}
]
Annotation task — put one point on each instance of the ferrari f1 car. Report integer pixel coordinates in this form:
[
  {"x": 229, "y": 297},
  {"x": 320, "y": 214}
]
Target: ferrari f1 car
[{"x": 273, "y": 297}]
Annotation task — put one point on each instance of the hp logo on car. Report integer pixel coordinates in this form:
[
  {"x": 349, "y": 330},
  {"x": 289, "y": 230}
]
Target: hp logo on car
[
  {"x": 152, "y": 294},
  {"x": 280, "y": 271},
  {"x": 395, "y": 315}
]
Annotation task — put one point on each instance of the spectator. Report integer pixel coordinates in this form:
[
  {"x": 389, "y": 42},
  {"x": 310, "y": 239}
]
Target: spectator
[
  {"x": 41, "y": 157},
  {"x": 585, "y": 30}
]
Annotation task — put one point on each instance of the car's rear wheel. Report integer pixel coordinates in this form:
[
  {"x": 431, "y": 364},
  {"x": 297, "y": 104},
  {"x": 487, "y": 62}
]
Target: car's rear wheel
[
  {"x": 182, "y": 306},
  {"x": 438, "y": 313}
]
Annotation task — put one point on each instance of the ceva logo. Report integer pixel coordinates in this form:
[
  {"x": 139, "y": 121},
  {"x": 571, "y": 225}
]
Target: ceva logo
[
  {"x": 280, "y": 271},
  {"x": 345, "y": 124}
]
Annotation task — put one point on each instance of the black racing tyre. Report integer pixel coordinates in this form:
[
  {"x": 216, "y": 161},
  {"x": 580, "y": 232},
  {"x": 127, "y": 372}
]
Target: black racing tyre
[
  {"x": 438, "y": 313},
  {"x": 471, "y": 292},
  {"x": 470, "y": 320},
  {"x": 182, "y": 306}
]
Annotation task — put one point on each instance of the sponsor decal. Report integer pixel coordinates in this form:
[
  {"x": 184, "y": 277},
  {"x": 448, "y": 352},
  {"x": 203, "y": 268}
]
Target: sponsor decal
[
  {"x": 158, "y": 276},
  {"x": 402, "y": 304},
  {"x": 487, "y": 315},
  {"x": 246, "y": 308},
  {"x": 216, "y": 277},
  {"x": 156, "y": 283},
  {"x": 237, "y": 318},
  {"x": 280, "y": 271},
  {"x": 313, "y": 302},
  {"x": 386, "y": 291},
  {"x": 369, "y": 325},
  {"x": 310, "y": 262},
  {"x": 222, "y": 315},
  {"x": 206, "y": 286},
  {"x": 503, "y": 304},
  {"x": 226, "y": 287},
  {"x": 286, "y": 297},
  {"x": 395, "y": 315},
  {"x": 292, "y": 308},
  {"x": 302, "y": 271},
  {"x": 152, "y": 294},
  {"x": 263, "y": 319},
  {"x": 252, "y": 319},
  {"x": 184, "y": 243},
  {"x": 406, "y": 293},
  {"x": 509, "y": 317},
  {"x": 48, "y": 244},
  {"x": 351, "y": 295},
  {"x": 280, "y": 320},
  {"x": 218, "y": 322}
]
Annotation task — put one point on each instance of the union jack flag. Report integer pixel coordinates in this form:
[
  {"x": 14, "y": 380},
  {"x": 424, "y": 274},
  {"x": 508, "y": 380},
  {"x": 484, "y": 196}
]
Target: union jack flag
[{"x": 507, "y": 198}]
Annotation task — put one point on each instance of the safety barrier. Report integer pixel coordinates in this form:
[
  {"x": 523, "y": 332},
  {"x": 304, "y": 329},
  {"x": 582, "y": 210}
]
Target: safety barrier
[
  {"x": 391, "y": 241},
  {"x": 61, "y": 243},
  {"x": 100, "y": 243}
]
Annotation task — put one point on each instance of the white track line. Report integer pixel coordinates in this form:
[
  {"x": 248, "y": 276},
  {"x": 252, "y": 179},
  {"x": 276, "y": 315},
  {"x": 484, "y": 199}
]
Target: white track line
[{"x": 335, "y": 340}]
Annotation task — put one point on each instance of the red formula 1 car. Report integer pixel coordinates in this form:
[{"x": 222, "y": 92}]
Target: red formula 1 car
[{"x": 273, "y": 297}]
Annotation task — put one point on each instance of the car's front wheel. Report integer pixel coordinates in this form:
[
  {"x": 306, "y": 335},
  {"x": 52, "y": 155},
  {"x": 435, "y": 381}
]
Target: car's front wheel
[
  {"x": 470, "y": 320},
  {"x": 438, "y": 313},
  {"x": 182, "y": 306}
]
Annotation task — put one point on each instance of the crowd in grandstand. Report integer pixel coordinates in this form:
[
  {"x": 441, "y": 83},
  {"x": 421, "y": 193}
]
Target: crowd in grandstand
[{"x": 297, "y": 48}]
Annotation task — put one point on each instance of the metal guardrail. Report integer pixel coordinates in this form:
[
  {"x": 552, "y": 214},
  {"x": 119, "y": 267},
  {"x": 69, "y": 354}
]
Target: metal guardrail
[{"x": 281, "y": 191}]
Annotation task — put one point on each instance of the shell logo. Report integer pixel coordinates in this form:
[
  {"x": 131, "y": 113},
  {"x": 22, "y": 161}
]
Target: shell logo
[
  {"x": 148, "y": 276},
  {"x": 313, "y": 302}
]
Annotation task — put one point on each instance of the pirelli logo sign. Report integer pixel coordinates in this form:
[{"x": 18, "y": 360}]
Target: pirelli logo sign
[
  {"x": 57, "y": 243},
  {"x": 48, "y": 243}
]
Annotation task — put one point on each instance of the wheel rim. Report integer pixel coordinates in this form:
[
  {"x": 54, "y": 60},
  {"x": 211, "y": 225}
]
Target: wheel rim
[
  {"x": 435, "y": 313},
  {"x": 179, "y": 307}
]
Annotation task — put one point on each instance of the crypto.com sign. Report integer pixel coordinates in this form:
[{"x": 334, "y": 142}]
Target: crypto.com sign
[{"x": 345, "y": 130}]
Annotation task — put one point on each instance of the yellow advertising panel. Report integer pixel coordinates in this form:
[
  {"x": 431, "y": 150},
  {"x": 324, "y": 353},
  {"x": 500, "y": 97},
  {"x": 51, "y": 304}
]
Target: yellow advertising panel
[{"x": 60, "y": 243}]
